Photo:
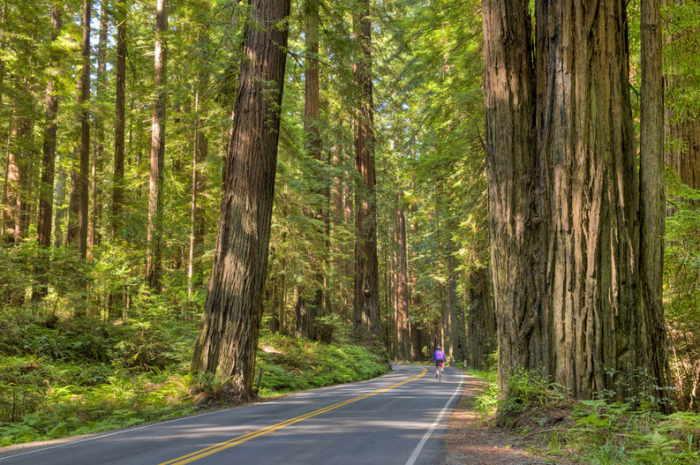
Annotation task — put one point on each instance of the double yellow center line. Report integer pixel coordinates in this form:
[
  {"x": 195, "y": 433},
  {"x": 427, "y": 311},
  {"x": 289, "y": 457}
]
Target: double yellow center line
[{"x": 200, "y": 454}]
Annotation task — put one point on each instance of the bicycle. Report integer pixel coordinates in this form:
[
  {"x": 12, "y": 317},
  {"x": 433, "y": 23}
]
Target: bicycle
[{"x": 440, "y": 369}]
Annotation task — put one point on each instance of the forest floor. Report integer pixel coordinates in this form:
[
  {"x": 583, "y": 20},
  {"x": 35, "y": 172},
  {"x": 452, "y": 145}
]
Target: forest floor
[{"x": 474, "y": 440}]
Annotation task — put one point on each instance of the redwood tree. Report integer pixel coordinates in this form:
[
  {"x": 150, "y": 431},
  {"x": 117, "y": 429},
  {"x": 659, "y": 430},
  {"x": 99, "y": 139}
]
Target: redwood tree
[
  {"x": 119, "y": 123},
  {"x": 367, "y": 325},
  {"x": 564, "y": 195},
  {"x": 228, "y": 335},
  {"x": 155, "y": 192},
  {"x": 84, "y": 160},
  {"x": 48, "y": 163}
]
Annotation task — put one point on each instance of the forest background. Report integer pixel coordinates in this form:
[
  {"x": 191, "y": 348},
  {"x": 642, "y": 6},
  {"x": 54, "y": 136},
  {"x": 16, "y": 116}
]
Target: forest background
[{"x": 114, "y": 153}]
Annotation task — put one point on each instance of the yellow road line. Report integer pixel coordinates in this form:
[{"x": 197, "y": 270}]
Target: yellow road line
[{"x": 200, "y": 454}]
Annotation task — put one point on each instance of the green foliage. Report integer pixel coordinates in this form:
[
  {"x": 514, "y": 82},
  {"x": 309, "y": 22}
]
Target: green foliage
[
  {"x": 597, "y": 431},
  {"x": 292, "y": 364},
  {"x": 62, "y": 375},
  {"x": 530, "y": 390}
]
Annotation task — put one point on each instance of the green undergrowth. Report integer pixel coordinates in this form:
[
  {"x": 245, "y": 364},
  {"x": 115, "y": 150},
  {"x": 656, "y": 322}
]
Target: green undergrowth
[
  {"x": 295, "y": 364},
  {"x": 63, "y": 376},
  {"x": 596, "y": 432}
]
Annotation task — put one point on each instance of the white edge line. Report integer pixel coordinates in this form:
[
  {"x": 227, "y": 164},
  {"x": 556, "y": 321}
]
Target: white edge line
[{"x": 416, "y": 452}]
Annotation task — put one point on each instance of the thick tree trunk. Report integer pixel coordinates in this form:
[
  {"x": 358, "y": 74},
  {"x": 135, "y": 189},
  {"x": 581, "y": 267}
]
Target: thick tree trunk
[
  {"x": 119, "y": 123},
  {"x": 367, "y": 318},
  {"x": 228, "y": 336},
  {"x": 514, "y": 225},
  {"x": 155, "y": 192},
  {"x": 590, "y": 166},
  {"x": 653, "y": 198},
  {"x": 564, "y": 195},
  {"x": 48, "y": 167}
]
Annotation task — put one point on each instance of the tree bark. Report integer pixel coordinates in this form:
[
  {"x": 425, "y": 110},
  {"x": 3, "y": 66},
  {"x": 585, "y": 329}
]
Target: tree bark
[
  {"x": 653, "y": 198},
  {"x": 367, "y": 318},
  {"x": 119, "y": 124},
  {"x": 84, "y": 167},
  {"x": 155, "y": 192},
  {"x": 228, "y": 336},
  {"x": 196, "y": 213},
  {"x": 453, "y": 303},
  {"x": 401, "y": 309},
  {"x": 515, "y": 228},
  {"x": 96, "y": 170},
  {"x": 312, "y": 132},
  {"x": 197, "y": 224},
  {"x": 48, "y": 167},
  {"x": 481, "y": 321},
  {"x": 564, "y": 195}
]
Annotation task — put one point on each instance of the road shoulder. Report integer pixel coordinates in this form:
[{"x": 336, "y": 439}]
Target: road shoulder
[{"x": 470, "y": 440}]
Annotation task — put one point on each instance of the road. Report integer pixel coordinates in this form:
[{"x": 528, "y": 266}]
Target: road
[{"x": 396, "y": 419}]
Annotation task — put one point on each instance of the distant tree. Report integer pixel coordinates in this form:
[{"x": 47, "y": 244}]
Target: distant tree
[
  {"x": 155, "y": 192},
  {"x": 84, "y": 159},
  {"x": 48, "y": 163},
  {"x": 120, "y": 119}
]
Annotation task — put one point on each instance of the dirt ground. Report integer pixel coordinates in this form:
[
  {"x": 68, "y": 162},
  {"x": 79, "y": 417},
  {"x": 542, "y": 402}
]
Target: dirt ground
[{"x": 472, "y": 441}]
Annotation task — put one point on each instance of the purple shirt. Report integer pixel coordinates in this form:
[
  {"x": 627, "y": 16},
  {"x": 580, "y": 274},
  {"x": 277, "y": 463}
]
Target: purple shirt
[{"x": 438, "y": 356}]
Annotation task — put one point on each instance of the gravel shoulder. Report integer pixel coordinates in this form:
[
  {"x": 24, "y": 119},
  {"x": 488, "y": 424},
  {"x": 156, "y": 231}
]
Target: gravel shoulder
[{"x": 470, "y": 440}]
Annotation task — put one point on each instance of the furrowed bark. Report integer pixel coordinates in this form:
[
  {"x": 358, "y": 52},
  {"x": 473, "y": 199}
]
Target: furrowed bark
[
  {"x": 228, "y": 336},
  {"x": 367, "y": 325}
]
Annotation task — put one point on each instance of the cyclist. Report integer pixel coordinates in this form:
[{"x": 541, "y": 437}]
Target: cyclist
[{"x": 439, "y": 359}]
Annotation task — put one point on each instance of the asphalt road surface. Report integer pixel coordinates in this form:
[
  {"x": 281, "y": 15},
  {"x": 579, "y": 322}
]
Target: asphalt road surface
[{"x": 395, "y": 419}]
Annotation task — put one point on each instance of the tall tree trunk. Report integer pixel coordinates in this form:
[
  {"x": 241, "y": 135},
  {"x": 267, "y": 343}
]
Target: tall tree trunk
[
  {"x": 590, "y": 166},
  {"x": 511, "y": 168},
  {"x": 84, "y": 102},
  {"x": 453, "y": 304},
  {"x": 228, "y": 335},
  {"x": 3, "y": 205},
  {"x": 96, "y": 171},
  {"x": 155, "y": 192},
  {"x": 653, "y": 198},
  {"x": 401, "y": 310},
  {"x": 564, "y": 194},
  {"x": 58, "y": 236},
  {"x": 12, "y": 181},
  {"x": 312, "y": 132},
  {"x": 5, "y": 208},
  {"x": 119, "y": 123},
  {"x": 367, "y": 318},
  {"x": 682, "y": 124},
  {"x": 196, "y": 214},
  {"x": 48, "y": 167}
]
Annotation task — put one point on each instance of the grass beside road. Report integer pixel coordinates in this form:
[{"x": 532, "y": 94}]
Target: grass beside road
[
  {"x": 63, "y": 376},
  {"x": 542, "y": 417}
]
